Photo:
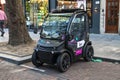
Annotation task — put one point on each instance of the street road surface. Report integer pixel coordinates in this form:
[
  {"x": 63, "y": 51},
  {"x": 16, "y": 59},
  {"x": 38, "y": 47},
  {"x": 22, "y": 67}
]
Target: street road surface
[{"x": 78, "y": 71}]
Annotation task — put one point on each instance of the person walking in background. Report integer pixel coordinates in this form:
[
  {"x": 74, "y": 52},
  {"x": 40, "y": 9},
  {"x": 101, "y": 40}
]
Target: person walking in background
[{"x": 3, "y": 18}]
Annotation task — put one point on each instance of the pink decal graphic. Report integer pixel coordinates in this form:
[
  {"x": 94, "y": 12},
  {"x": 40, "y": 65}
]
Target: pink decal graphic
[{"x": 78, "y": 52}]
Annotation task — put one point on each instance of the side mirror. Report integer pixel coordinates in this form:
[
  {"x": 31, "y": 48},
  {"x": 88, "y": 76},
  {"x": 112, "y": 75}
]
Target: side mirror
[{"x": 68, "y": 36}]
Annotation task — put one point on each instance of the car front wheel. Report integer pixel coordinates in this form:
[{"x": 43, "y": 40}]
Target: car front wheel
[
  {"x": 63, "y": 62},
  {"x": 35, "y": 60}
]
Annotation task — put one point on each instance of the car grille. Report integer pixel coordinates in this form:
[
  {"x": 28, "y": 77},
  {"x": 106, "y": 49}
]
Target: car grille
[{"x": 45, "y": 48}]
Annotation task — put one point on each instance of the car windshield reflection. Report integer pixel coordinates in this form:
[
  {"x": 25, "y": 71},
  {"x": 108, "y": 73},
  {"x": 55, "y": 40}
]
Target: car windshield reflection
[{"x": 54, "y": 26}]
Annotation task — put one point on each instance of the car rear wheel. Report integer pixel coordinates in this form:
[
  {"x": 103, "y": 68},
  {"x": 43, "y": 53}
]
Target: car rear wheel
[
  {"x": 89, "y": 53},
  {"x": 35, "y": 60},
  {"x": 63, "y": 62}
]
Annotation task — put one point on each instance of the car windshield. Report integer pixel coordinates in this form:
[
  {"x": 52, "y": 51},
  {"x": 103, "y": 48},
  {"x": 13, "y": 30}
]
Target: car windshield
[{"x": 54, "y": 26}]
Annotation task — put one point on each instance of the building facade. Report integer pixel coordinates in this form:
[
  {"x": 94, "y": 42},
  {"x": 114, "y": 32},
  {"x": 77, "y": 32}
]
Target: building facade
[
  {"x": 109, "y": 16},
  {"x": 104, "y": 13},
  {"x": 91, "y": 6}
]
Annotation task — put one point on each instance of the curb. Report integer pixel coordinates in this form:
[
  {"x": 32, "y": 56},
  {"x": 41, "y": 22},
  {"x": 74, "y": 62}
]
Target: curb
[
  {"x": 16, "y": 55},
  {"x": 21, "y": 60},
  {"x": 15, "y": 59},
  {"x": 107, "y": 59}
]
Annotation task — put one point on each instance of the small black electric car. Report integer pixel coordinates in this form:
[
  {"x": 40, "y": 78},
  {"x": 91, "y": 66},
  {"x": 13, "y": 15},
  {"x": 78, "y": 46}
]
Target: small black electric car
[{"x": 64, "y": 38}]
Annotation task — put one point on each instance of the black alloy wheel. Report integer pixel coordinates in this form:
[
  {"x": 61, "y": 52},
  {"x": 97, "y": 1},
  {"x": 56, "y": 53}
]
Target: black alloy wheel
[
  {"x": 35, "y": 60},
  {"x": 89, "y": 53},
  {"x": 63, "y": 62}
]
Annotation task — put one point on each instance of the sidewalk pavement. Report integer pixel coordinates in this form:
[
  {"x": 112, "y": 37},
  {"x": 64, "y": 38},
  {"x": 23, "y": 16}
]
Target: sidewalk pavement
[
  {"x": 17, "y": 59},
  {"x": 106, "y": 48}
]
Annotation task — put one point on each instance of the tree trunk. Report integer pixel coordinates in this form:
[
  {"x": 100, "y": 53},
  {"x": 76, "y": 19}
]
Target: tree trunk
[{"x": 18, "y": 33}]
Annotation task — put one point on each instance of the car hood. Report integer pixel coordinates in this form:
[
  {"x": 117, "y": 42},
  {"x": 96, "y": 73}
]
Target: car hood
[{"x": 50, "y": 43}]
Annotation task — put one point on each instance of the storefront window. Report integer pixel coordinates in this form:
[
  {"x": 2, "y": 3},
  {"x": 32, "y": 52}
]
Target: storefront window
[
  {"x": 36, "y": 10},
  {"x": 89, "y": 7},
  {"x": 89, "y": 11},
  {"x": 71, "y": 4},
  {"x": 79, "y": 4}
]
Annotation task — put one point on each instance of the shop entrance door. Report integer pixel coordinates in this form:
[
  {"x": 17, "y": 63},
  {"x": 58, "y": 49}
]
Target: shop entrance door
[{"x": 112, "y": 10}]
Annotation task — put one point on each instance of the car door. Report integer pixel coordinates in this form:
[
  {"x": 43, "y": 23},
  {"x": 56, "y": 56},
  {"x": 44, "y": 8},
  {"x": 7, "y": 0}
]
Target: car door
[{"x": 76, "y": 31}]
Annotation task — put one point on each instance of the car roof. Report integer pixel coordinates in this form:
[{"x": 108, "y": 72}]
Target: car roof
[
  {"x": 68, "y": 11},
  {"x": 61, "y": 14}
]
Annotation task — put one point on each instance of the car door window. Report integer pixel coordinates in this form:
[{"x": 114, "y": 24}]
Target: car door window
[{"x": 77, "y": 27}]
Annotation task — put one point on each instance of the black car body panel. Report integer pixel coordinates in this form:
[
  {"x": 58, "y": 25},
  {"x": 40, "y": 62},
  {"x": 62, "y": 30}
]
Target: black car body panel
[{"x": 63, "y": 31}]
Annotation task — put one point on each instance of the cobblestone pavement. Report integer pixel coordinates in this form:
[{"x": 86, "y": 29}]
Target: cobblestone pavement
[
  {"x": 78, "y": 71},
  {"x": 10, "y": 71}
]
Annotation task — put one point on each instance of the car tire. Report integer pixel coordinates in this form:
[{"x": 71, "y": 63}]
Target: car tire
[
  {"x": 63, "y": 62},
  {"x": 89, "y": 53},
  {"x": 35, "y": 60}
]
